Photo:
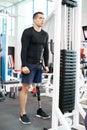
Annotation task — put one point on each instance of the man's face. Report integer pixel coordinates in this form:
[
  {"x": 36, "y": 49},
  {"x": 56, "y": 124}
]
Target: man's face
[{"x": 39, "y": 20}]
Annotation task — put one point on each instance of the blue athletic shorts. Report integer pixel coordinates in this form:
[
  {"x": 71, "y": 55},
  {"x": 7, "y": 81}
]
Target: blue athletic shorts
[{"x": 35, "y": 75}]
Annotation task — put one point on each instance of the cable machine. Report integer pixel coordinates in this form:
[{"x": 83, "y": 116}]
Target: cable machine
[{"x": 65, "y": 104}]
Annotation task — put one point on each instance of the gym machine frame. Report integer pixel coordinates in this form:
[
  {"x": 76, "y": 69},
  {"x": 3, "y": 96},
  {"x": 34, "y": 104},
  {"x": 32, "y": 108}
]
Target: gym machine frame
[
  {"x": 57, "y": 115},
  {"x": 8, "y": 81}
]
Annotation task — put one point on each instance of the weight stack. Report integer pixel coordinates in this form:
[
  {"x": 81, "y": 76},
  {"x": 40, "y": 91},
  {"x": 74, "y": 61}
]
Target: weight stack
[{"x": 67, "y": 80}]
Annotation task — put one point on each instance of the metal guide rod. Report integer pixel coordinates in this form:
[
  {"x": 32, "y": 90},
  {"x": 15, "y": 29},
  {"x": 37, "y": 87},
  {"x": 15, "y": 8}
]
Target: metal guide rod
[
  {"x": 65, "y": 28},
  {"x": 69, "y": 17},
  {"x": 72, "y": 31},
  {"x": 69, "y": 29},
  {"x": 68, "y": 13}
]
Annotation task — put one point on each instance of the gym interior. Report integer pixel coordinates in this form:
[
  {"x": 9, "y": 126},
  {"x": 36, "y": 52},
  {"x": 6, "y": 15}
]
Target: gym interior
[{"x": 63, "y": 90}]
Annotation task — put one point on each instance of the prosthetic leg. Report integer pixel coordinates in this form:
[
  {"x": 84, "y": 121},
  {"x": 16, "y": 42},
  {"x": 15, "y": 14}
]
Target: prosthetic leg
[
  {"x": 38, "y": 95},
  {"x": 40, "y": 112}
]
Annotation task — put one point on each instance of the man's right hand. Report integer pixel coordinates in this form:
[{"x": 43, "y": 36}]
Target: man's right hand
[{"x": 25, "y": 70}]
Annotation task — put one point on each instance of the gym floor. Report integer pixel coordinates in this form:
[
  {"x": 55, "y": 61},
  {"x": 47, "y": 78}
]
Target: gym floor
[{"x": 9, "y": 114}]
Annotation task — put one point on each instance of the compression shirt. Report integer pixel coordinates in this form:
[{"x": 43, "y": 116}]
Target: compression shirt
[{"x": 34, "y": 46}]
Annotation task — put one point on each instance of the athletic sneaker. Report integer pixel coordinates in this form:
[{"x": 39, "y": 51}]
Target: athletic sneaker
[
  {"x": 42, "y": 114},
  {"x": 24, "y": 119}
]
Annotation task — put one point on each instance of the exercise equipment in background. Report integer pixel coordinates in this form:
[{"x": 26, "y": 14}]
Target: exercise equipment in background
[{"x": 66, "y": 84}]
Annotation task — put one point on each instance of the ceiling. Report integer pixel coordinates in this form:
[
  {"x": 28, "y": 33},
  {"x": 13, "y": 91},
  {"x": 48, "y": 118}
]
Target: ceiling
[
  {"x": 4, "y": 4},
  {"x": 8, "y": 3}
]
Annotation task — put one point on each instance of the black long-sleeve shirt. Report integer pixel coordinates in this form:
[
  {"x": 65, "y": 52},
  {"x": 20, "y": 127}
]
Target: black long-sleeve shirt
[{"x": 34, "y": 47}]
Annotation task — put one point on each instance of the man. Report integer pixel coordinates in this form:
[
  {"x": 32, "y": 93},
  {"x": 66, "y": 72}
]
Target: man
[{"x": 34, "y": 50}]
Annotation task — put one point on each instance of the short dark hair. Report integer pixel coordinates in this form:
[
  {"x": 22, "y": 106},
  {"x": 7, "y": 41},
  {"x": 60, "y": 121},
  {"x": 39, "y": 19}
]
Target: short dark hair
[{"x": 35, "y": 14}]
